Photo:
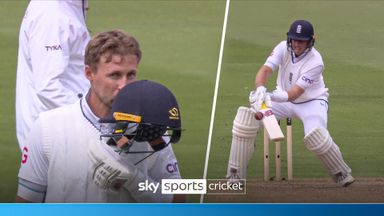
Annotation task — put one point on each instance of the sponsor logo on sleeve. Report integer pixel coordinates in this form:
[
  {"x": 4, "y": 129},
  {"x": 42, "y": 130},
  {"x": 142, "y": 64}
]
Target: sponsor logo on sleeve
[
  {"x": 307, "y": 80},
  {"x": 172, "y": 167}
]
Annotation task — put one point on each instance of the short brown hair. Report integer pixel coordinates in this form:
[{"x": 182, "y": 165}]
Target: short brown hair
[{"x": 109, "y": 43}]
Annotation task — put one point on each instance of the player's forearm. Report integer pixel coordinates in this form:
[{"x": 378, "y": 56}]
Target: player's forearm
[
  {"x": 295, "y": 92},
  {"x": 262, "y": 76}
]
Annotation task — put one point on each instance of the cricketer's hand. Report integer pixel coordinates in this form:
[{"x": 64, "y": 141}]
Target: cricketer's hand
[
  {"x": 108, "y": 172},
  {"x": 256, "y": 98}
]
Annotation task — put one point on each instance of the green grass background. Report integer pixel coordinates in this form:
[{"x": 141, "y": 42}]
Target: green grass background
[
  {"x": 180, "y": 42},
  {"x": 350, "y": 36}
]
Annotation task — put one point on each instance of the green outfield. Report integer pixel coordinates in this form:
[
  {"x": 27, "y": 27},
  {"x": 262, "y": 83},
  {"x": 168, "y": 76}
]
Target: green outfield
[
  {"x": 349, "y": 36},
  {"x": 180, "y": 42}
]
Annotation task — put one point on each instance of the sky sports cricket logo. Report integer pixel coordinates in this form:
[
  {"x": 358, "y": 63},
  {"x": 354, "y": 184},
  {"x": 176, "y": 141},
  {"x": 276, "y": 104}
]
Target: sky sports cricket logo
[{"x": 195, "y": 186}]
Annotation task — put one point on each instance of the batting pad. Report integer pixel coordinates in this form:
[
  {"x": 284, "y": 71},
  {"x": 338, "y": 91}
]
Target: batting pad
[
  {"x": 320, "y": 142},
  {"x": 244, "y": 131}
]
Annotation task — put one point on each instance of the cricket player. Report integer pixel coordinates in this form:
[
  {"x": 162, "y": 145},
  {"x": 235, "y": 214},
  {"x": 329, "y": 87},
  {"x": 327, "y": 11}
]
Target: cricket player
[
  {"x": 300, "y": 93},
  {"x": 72, "y": 157},
  {"x": 50, "y": 69}
]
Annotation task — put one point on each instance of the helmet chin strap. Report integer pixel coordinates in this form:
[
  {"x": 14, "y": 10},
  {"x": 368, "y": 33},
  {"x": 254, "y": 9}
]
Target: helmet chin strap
[{"x": 302, "y": 55}]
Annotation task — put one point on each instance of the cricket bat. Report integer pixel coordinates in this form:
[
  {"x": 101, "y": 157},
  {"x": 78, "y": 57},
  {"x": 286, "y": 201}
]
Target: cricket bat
[{"x": 270, "y": 124}]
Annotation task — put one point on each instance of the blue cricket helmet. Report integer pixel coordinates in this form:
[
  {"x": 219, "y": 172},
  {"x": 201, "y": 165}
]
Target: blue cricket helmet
[
  {"x": 151, "y": 107},
  {"x": 301, "y": 30}
]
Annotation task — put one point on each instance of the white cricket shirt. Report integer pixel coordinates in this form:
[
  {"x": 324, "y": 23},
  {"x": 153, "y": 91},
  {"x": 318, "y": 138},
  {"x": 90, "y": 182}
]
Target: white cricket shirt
[
  {"x": 305, "y": 71},
  {"x": 50, "y": 69},
  {"x": 57, "y": 157}
]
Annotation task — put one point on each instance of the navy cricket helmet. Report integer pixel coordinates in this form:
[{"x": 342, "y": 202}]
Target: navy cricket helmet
[
  {"x": 144, "y": 111},
  {"x": 301, "y": 30}
]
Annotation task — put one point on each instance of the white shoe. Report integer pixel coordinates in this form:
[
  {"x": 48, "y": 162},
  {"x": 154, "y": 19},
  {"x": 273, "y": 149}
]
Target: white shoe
[
  {"x": 344, "y": 179},
  {"x": 233, "y": 178}
]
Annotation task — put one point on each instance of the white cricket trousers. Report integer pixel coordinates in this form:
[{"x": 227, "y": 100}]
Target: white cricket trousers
[{"x": 313, "y": 114}]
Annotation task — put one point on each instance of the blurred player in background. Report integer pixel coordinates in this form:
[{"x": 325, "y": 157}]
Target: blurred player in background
[
  {"x": 300, "y": 93},
  {"x": 67, "y": 161},
  {"x": 50, "y": 70}
]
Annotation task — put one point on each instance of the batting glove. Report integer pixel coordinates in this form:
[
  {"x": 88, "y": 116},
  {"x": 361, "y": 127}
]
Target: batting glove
[
  {"x": 108, "y": 171},
  {"x": 268, "y": 100},
  {"x": 256, "y": 98},
  {"x": 279, "y": 95}
]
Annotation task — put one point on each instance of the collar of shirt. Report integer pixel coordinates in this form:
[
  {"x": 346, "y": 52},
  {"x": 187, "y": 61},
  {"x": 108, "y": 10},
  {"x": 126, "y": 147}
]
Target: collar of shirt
[
  {"x": 296, "y": 59},
  {"x": 89, "y": 115}
]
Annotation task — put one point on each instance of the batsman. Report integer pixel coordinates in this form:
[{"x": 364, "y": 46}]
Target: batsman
[{"x": 300, "y": 93}]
